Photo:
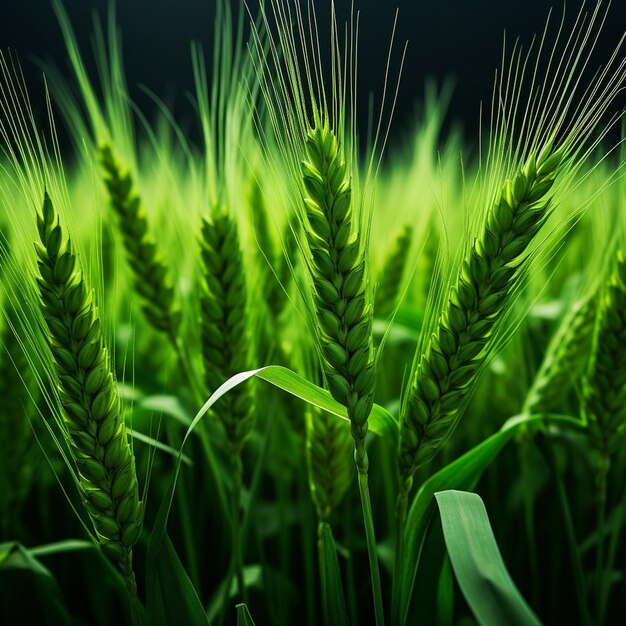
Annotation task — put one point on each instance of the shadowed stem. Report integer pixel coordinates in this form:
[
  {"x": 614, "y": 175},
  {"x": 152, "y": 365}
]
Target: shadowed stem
[
  {"x": 237, "y": 539},
  {"x": 362, "y": 463},
  {"x": 235, "y": 568},
  {"x": 601, "y": 482},
  {"x": 577, "y": 569},
  {"x": 611, "y": 554},
  {"x": 322, "y": 567},
  {"x": 402, "y": 504}
]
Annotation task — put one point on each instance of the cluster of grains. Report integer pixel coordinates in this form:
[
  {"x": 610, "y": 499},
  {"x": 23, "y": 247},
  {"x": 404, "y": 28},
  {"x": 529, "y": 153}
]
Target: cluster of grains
[
  {"x": 151, "y": 279},
  {"x": 488, "y": 276},
  {"x": 338, "y": 273},
  {"x": 392, "y": 273},
  {"x": 605, "y": 388},
  {"x": 225, "y": 338},
  {"x": 565, "y": 359},
  {"x": 92, "y": 412},
  {"x": 329, "y": 456}
]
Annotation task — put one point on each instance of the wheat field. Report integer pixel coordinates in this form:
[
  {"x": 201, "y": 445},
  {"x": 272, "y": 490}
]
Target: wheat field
[{"x": 288, "y": 369}]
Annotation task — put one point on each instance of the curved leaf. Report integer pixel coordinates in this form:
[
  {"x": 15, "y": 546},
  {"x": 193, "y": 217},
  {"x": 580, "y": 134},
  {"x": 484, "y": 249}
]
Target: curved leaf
[
  {"x": 159, "y": 445},
  {"x": 29, "y": 593},
  {"x": 170, "y": 595},
  {"x": 463, "y": 474},
  {"x": 61, "y": 547},
  {"x": 332, "y": 591},
  {"x": 477, "y": 563},
  {"x": 169, "y": 591},
  {"x": 380, "y": 421}
]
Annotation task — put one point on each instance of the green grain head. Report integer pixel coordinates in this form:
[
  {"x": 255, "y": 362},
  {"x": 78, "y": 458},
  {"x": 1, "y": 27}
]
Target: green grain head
[
  {"x": 539, "y": 139},
  {"x": 92, "y": 413},
  {"x": 390, "y": 280},
  {"x": 224, "y": 322},
  {"x": 565, "y": 358},
  {"x": 605, "y": 384},
  {"x": 151, "y": 277},
  {"x": 329, "y": 458}
]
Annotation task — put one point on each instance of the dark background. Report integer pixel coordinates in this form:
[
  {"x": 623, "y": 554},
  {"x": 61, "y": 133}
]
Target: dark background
[{"x": 456, "y": 39}]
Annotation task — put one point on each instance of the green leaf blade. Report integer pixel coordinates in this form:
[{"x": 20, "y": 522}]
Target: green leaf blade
[{"x": 477, "y": 562}]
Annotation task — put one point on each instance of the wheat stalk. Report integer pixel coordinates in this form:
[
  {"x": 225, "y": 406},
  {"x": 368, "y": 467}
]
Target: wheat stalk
[
  {"x": 225, "y": 344},
  {"x": 93, "y": 419}
]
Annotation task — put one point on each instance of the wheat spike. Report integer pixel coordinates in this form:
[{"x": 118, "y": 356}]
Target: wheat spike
[
  {"x": 565, "y": 358},
  {"x": 605, "y": 385},
  {"x": 93, "y": 421},
  {"x": 329, "y": 458},
  {"x": 151, "y": 278},
  {"x": 225, "y": 339},
  {"x": 392, "y": 272},
  {"x": 447, "y": 370},
  {"x": 338, "y": 272}
]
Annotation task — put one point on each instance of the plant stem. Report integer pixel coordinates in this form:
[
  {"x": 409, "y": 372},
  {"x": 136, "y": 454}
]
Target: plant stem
[
  {"x": 577, "y": 569},
  {"x": 183, "y": 505},
  {"x": 601, "y": 479},
  {"x": 237, "y": 552},
  {"x": 611, "y": 554},
  {"x": 524, "y": 448},
  {"x": 135, "y": 609},
  {"x": 402, "y": 504},
  {"x": 235, "y": 567},
  {"x": 368, "y": 520},
  {"x": 322, "y": 568}
]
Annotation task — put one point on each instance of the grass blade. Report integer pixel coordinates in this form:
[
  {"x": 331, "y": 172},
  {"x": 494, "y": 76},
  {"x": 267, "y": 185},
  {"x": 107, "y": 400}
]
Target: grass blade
[
  {"x": 477, "y": 562},
  {"x": 463, "y": 473},
  {"x": 332, "y": 592},
  {"x": 243, "y": 616},
  {"x": 170, "y": 596}
]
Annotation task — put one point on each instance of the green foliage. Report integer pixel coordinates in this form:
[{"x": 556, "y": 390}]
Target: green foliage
[{"x": 489, "y": 276}]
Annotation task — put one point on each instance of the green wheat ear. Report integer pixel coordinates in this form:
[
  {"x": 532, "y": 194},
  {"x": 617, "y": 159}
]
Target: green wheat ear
[
  {"x": 225, "y": 338},
  {"x": 392, "y": 273},
  {"x": 338, "y": 272},
  {"x": 151, "y": 278},
  {"x": 92, "y": 415},
  {"x": 605, "y": 386},
  {"x": 487, "y": 279},
  {"x": 565, "y": 358},
  {"x": 329, "y": 458}
]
